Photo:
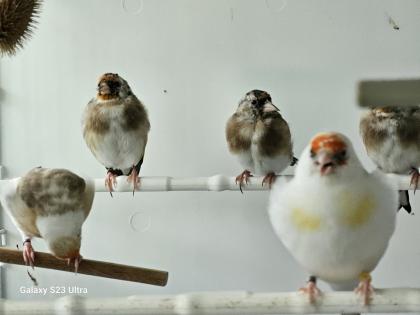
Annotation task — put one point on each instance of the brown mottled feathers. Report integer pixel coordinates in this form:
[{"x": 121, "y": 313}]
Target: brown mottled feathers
[
  {"x": 275, "y": 134},
  {"x": 276, "y": 138},
  {"x": 52, "y": 191},
  {"x": 375, "y": 129},
  {"x": 409, "y": 132},
  {"x": 96, "y": 119},
  {"x": 372, "y": 137},
  {"x": 239, "y": 134},
  {"x": 134, "y": 115}
]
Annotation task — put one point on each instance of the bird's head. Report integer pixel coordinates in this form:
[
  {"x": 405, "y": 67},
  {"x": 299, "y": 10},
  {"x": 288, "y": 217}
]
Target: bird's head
[
  {"x": 328, "y": 153},
  {"x": 258, "y": 103},
  {"x": 66, "y": 247},
  {"x": 387, "y": 112},
  {"x": 111, "y": 86}
]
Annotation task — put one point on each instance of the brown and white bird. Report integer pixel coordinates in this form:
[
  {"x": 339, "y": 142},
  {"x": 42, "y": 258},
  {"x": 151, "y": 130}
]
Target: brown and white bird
[
  {"x": 51, "y": 204},
  {"x": 115, "y": 127},
  {"x": 392, "y": 139},
  {"x": 260, "y": 138},
  {"x": 335, "y": 218}
]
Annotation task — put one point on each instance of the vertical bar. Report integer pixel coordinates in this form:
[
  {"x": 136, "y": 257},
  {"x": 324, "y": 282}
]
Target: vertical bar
[{"x": 2, "y": 244}]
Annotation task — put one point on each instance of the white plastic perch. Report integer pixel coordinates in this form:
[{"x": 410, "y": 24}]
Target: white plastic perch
[
  {"x": 215, "y": 183},
  {"x": 222, "y": 303}
]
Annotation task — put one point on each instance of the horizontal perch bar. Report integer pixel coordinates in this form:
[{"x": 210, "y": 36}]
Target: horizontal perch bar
[
  {"x": 389, "y": 93},
  {"x": 214, "y": 183},
  {"x": 399, "y": 300},
  {"x": 89, "y": 267},
  {"x": 166, "y": 183}
]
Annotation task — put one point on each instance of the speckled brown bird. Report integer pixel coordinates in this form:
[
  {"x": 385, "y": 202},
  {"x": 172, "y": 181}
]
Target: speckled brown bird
[
  {"x": 115, "y": 127},
  {"x": 392, "y": 139},
  {"x": 260, "y": 138},
  {"x": 51, "y": 204}
]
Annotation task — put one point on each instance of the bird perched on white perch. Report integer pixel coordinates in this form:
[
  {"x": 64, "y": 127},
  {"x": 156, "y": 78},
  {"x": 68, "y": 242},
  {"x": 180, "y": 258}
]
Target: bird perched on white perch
[
  {"x": 392, "y": 139},
  {"x": 260, "y": 138},
  {"x": 334, "y": 217},
  {"x": 51, "y": 204},
  {"x": 115, "y": 127}
]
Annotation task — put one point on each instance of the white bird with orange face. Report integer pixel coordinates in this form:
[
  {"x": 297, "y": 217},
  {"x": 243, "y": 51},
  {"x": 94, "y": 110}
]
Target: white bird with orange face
[
  {"x": 334, "y": 217},
  {"x": 51, "y": 204},
  {"x": 115, "y": 127}
]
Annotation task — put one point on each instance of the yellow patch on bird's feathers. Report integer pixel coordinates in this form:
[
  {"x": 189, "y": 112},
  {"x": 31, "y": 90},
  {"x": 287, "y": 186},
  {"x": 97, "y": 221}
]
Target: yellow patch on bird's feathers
[
  {"x": 356, "y": 212},
  {"x": 305, "y": 221},
  {"x": 365, "y": 276}
]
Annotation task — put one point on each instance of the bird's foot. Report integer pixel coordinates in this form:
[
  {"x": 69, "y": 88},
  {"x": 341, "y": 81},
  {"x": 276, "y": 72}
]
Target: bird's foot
[
  {"x": 311, "y": 290},
  {"x": 365, "y": 289},
  {"x": 28, "y": 253},
  {"x": 134, "y": 178},
  {"x": 242, "y": 179},
  {"x": 415, "y": 176},
  {"x": 270, "y": 178},
  {"x": 110, "y": 181},
  {"x": 74, "y": 261}
]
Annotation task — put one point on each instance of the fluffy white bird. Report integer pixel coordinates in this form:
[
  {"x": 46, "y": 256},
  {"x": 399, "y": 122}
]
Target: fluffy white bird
[
  {"x": 392, "y": 139},
  {"x": 51, "y": 204},
  {"x": 334, "y": 217},
  {"x": 260, "y": 138},
  {"x": 115, "y": 127}
]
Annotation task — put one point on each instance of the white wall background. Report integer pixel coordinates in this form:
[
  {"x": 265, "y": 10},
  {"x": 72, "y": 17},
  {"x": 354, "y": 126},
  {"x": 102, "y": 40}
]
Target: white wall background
[{"x": 206, "y": 55}]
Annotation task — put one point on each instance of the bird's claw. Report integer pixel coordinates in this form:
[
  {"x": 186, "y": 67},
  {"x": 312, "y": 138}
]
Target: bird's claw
[
  {"x": 270, "y": 178},
  {"x": 243, "y": 178},
  {"x": 415, "y": 176},
  {"x": 110, "y": 182},
  {"x": 365, "y": 289},
  {"x": 28, "y": 254},
  {"x": 75, "y": 261},
  {"x": 134, "y": 178},
  {"x": 312, "y": 291}
]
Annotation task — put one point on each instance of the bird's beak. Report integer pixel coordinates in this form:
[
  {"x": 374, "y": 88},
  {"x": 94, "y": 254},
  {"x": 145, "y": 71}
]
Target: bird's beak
[
  {"x": 104, "y": 88},
  {"x": 325, "y": 162},
  {"x": 269, "y": 107}
]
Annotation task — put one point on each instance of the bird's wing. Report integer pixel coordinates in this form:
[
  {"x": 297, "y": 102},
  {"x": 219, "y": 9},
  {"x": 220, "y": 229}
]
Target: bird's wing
[
  {"x": 239, "y": 134},
  {"x": 51, "y": 191},
  {"x": 95, "y": 124},
  {"x": 22, "y": 216},
  {"x": 373, "y": 136},
  {"x": 275, "y": 136}
]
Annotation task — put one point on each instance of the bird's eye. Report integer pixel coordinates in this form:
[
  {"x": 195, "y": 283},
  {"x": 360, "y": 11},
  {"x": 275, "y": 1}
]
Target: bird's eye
[
  {"x": 254, "y": 102},
  {"x": 340, "y": 156},
  {"x": 312, "y": 153}
]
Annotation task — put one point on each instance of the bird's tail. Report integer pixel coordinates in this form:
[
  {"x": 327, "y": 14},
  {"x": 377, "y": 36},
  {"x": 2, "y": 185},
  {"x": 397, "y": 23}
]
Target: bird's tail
[{"x": 404, "y": 200}]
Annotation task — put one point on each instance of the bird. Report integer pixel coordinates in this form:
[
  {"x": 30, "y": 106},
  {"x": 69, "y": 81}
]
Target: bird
[
  {"x": 260, "y": 138},
  {"x": 391, "y": 136},
  {"x": 51, "y": 204},
  {"x": 334, "y": 217},
  {"x": 115, "y": 127}
]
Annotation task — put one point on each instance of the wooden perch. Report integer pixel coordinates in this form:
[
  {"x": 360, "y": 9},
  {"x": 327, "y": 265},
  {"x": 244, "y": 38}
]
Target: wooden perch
[{"x": 89, "y": 267}]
